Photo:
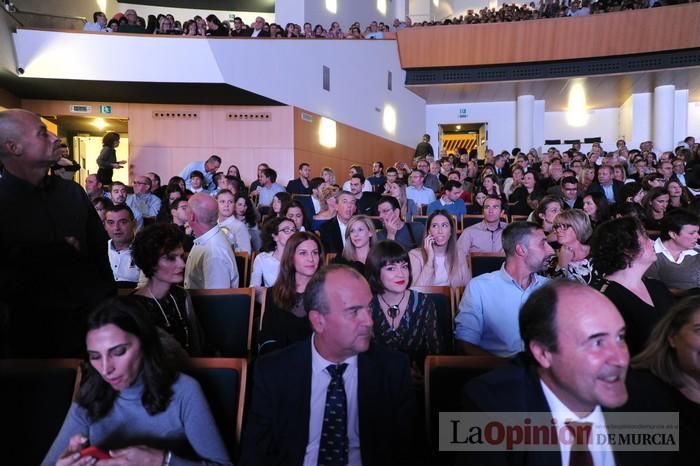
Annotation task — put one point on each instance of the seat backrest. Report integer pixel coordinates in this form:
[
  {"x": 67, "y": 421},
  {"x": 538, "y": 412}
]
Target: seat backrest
[
  {"x": 470, "y": 219},
  {"x": 223, "y": 381},
  {"x": 329, "y": 257},
  {"x": 34, "y": 399},
  {"x": 420, "y": 219},
  {"x": 226, "y": 317},
  {"x": 444, "y": 378},
  {"x": 485, "y": 262},
  {"x": 242, "y": 263},
  {"x": 442, "y": 297}
]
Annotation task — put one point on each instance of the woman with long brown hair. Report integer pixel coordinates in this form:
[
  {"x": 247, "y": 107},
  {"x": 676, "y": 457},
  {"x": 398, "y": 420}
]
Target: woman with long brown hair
[{"x": 285, "y": 321}]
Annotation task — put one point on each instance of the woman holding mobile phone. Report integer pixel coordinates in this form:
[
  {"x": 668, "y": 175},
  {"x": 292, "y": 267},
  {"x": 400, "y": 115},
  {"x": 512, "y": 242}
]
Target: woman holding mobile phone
[{"x": 438, "y": 262}]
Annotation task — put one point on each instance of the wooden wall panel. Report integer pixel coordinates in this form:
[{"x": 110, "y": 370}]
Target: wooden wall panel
[
  {"x": 609, "y": 34},
  {"x": 9, "y": 100},
  {"x": 167, "y": 145},
  {"x": 353, "y": 146}
]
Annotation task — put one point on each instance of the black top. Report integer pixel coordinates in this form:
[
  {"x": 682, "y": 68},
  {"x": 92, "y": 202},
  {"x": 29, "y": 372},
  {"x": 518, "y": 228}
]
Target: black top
[
  {"x": 281, "y": 327},
  {"x": 639, "y": 317},
  {"x": 171, "y": 314},
  {"x": 417, "y": 333},
  {"x": 54, "y": 266}
]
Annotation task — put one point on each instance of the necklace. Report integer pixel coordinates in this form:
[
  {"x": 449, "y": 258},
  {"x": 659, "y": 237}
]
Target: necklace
[
  {"x": 393, "y": 310},
  {"x": 179, "y": 314}
]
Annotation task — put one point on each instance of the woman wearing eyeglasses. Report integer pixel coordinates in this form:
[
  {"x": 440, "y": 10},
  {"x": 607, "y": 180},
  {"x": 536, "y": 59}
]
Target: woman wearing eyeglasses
[
  {"x": 266, "y": 266},
  {"x": 573, "y": 229},
  {"x": 404, "y": 320}
]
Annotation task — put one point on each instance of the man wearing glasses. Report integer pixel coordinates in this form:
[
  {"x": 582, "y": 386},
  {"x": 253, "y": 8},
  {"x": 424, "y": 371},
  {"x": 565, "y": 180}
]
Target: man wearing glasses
[{"x": 143, "y": 201}]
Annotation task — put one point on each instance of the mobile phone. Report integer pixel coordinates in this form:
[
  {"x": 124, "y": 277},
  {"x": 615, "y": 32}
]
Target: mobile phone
[{"x": 95, "y": 452}]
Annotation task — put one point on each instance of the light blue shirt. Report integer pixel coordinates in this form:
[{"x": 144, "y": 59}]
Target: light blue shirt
[
  {"x": 420, "y": 196},
  {"x": 208, "y": 177},
  {"x": 457, "y": 208},
  {"x": 488, "y": 313},
  {"x": 147, "y": 204},
  {"x": 266, "y": 194}
]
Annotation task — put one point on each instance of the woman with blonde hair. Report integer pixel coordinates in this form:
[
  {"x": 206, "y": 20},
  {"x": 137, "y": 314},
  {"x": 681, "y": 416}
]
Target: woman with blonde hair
[
  {"x": 328, "y": 176},
  {"x": 359, "y": 238},
  {"x": 573, "y": 229},
  {"x": 328, "y": 207},
  {"x": 438, "y": 262}
]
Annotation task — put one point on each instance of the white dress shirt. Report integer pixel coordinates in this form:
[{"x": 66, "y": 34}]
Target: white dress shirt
[
  {"x": 211, "y": 263},
  {"x": 237, "y": 234},
  {"x": 122, "y": 265},
  {"x": 266, "y": 268},
  {"x": 602, "y": 454},
  {"x": 320, "y": 379}
]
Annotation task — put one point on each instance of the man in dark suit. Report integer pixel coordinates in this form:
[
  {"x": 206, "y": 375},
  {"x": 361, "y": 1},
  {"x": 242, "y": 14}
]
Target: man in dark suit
[
  {"x": 577, "y": 362},
  {"x": 335, "y": 387},
  {"x": 300, "y": 185},
  {"x": 333, "y": 231},
  {"x": 607, "y": 185},
  {"x": 569, "y": 193},
  {"x": 366, "y": 201}
]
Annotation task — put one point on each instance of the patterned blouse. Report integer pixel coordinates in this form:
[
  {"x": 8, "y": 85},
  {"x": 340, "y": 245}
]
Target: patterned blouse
[
  {"x": 581, "y": 271},
  {"x": 418, "y": 333}
]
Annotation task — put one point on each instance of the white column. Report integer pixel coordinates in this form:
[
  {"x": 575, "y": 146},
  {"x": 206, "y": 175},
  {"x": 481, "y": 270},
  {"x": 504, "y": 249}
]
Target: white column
[
  {"x": 525, "y": 113},
  {"x": 664, "y": 103},
  {"x": 680, "y": 124}
]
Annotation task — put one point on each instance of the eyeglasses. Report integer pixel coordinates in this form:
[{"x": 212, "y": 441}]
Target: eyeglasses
[
  {"x": 561, "y": 226},
  {"x": 287, "y": 230}
]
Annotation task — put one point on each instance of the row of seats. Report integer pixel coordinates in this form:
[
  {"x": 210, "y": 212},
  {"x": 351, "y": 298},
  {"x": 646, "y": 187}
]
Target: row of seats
[{"x": 36, "y": 395}]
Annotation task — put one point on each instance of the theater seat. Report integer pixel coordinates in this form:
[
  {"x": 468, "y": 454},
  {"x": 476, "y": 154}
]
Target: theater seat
[
  {"x": 35, "y": 395},
  {"x": 442, "y": 297},
  {"x": 444, "y": 378},
  {"x": 485, "y": 262},
  {"x": 223, "y": 381},
  {"x": 226, "y": 317}
]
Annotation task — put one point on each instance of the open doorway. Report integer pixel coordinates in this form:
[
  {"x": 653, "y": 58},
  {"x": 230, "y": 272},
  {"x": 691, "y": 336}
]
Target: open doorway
[
  {"x": 464, "y": 136},
  {"x": 83, "y": 136}
]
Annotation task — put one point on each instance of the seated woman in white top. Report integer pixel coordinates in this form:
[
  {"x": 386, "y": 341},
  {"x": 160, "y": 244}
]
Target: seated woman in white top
[
  {"x": 236, "y": 231},
  {"x": 266, "y": 266},
  {"x": 438, "y": 262}
]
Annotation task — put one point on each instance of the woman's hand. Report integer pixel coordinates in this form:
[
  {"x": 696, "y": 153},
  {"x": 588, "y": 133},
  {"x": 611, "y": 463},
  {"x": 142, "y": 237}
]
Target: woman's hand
[
  {"x": 134, "y": 456},
  {"x": 71, "y": 455},
  {"x": 428, "y": 244},
  {"x": 566, "y": 255}
]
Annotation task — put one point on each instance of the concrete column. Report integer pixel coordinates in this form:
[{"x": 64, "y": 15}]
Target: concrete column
[
  {"x": 664, "y": 104},
  {"x": 680, "y": 125},
  {"x": 525, "y": 115}
]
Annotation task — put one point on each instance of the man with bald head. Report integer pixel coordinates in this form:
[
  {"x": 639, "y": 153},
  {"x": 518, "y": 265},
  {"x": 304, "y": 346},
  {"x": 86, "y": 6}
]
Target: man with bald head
[
  {"x": 334, "y": 398},
  {"x": 54, "y": 265},
  {"x": 576, "y": 365},
  {"x": 211, "y": 263}
]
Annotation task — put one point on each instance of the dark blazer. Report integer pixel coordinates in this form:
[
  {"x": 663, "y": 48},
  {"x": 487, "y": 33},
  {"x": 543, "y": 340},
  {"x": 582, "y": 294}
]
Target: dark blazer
[
  {"x": 617, "y": 185},
  {"x": 330, "y": 236},
  {"x": 295, "y": 186},
  {"x": 277, "y": 430},
  {"x": 516, "y": 388},
  {"x": 367, "y": 204}
]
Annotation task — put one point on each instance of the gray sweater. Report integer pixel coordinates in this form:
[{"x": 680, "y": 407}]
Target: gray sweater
[
  {"x": 684, "y": 275},
  {"x": 186, "y": 427}
]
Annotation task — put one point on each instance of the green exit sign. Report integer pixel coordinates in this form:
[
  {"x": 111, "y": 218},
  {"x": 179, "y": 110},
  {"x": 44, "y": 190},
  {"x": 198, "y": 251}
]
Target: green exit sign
[{"x": 106, "y": 109}]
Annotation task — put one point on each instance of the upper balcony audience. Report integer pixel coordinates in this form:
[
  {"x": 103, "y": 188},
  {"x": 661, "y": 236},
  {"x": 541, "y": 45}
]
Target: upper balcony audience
[{"x": 212, "y": 26}]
